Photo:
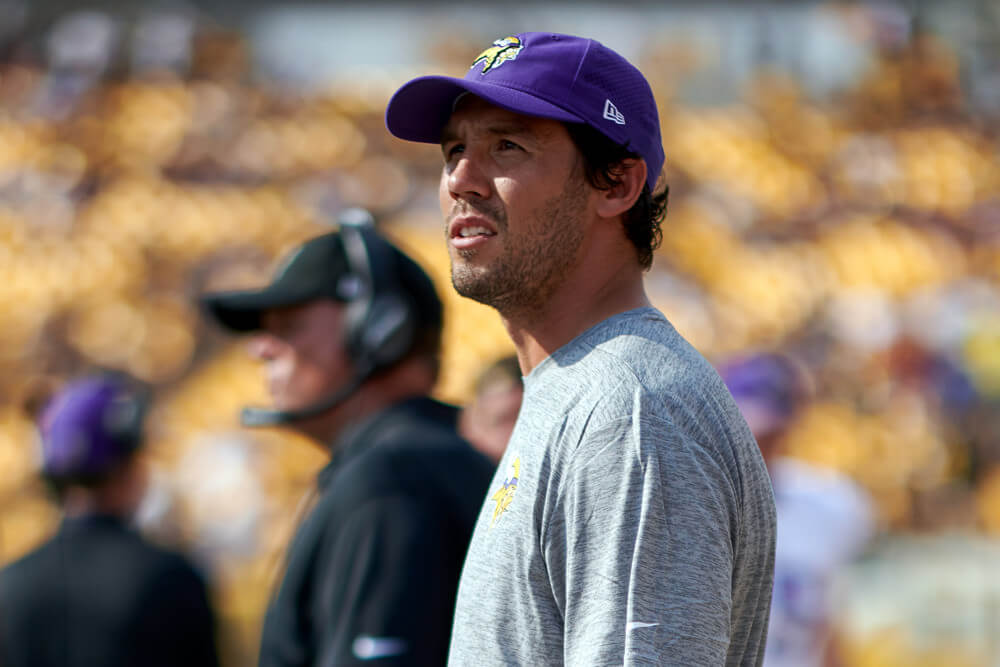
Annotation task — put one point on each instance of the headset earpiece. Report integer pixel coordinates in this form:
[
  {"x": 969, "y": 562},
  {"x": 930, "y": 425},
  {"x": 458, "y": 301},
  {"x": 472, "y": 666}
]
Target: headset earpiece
[
  {"x": 387, "y": 333},
  {"x": 380, "y": 323}
]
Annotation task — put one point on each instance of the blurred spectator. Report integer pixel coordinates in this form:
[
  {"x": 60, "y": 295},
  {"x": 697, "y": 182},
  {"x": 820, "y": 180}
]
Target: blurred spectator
[
  {"x": 488, "y": 419},
  {"x": 81, "y": 49},
  {"x": 824, "y": 519},
  {"x": 349, "y": 332},
  {"x": 98, "y": 593},
  {"x": 162, "y": 43}
]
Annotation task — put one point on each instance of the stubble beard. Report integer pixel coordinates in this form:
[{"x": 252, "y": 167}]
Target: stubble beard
[{"x": 534, "y": 263}]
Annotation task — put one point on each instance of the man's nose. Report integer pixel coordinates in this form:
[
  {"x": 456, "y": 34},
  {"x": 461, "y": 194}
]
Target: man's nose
[
  {"x": 466, "y": 179},
  {"x": 263, "y": 346}
]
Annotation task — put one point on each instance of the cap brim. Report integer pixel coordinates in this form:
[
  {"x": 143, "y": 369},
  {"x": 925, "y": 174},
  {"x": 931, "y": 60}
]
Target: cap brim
[
  {"x": 420, "y": 108},
  {"x": 241, "y": 310}
]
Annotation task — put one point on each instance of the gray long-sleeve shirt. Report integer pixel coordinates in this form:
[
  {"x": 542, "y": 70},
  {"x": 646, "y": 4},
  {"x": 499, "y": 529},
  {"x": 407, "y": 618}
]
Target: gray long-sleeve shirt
[{"x": 631, "y": 520}]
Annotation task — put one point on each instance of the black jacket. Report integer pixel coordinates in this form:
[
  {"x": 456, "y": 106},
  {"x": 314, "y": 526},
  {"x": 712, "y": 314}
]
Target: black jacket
[
  {"x": 98, "y": 594},
  {"x": 372, "y": 572}
]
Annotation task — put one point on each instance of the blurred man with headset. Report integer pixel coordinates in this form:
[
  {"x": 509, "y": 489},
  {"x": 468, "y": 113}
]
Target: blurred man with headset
[{"x": 349, "y": 331}]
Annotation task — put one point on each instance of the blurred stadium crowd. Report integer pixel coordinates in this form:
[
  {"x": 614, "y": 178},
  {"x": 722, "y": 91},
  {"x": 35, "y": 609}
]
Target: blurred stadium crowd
[{"x": 860, "y": 235}]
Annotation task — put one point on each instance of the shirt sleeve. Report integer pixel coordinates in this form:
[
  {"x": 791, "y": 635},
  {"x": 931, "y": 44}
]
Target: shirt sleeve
[
  {"x": 387, "y": 586},
  {"x": 639, "y": 549}
]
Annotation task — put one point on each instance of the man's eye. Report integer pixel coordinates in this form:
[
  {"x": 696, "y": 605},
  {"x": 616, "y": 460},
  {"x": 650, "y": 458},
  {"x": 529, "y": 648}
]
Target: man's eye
[
  {"x": 453, "y": 150},
  {"x": 507, "y": 145}
]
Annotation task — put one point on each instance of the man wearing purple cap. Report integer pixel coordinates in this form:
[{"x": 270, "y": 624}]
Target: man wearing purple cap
[
  {"x": 825, "y": 518},
  {"x": 631, "y": 519},
  {"x": 98, "y": 593}
]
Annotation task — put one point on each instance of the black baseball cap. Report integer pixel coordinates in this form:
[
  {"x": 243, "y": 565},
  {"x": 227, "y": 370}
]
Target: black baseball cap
[{"x": 319, "y": 269}]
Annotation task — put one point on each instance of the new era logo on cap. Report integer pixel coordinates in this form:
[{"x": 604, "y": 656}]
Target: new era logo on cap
[{"x": 612, "y": 113}]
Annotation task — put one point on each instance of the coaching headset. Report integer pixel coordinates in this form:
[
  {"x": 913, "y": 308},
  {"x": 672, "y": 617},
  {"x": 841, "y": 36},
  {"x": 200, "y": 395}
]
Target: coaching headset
[{"x": 381, "y": 319}]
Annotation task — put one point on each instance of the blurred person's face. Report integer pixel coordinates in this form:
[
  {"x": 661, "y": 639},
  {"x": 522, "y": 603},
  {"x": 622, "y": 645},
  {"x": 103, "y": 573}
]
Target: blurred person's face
[
  {"x": 765, "y": 423},
  {"x": 136, "y": 483},
  {"x": 488, "y": 421},
  {"x": 514, "y": 199},
  {"x": 303, "y": 351},
  {"x": 120, "y": 494}
]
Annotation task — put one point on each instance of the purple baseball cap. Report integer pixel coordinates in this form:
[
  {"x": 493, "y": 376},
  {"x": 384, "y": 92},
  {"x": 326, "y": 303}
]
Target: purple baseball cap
[
  {"x": 89, "y": 427},
  {"x": 768, "y": 389},
  {"x": 548, "y": 75}
]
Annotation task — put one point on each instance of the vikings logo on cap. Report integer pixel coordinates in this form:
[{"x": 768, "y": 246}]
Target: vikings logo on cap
[
  {"x": 505, "y": 494},
  {"x": 502, "y": 50}
]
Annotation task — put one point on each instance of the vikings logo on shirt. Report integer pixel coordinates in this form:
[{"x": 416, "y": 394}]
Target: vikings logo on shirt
[
  {"x": 502, "y": 50},
  {"x": 505, "y": 494}
]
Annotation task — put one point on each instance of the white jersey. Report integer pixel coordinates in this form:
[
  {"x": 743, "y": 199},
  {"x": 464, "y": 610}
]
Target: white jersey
[{"x": 824, "y": 522}]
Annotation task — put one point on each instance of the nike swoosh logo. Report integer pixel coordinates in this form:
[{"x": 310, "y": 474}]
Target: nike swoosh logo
[
  {"x": 366, "y": 647},
  {"x": 629, "y": 627}
]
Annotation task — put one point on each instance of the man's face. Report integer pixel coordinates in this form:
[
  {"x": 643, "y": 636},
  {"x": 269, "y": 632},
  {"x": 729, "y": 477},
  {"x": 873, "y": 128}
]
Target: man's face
[
  {"x": 515, "y": 203},
  {"x": 302, "y": 348},
  {"x": 488, "y": 421}
]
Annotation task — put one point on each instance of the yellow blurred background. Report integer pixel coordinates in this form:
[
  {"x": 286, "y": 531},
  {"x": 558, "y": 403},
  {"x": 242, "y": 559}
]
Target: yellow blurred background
[{"x": 853, "y": 221}]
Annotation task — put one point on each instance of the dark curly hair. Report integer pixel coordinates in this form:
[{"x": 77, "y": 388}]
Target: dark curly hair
[{"x": 602, "y": 160}]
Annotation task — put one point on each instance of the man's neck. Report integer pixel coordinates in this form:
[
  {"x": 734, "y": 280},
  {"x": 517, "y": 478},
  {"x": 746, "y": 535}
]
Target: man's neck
[
  {"x": 79, "y": 503},
  {"x": 409, "y": 379},
  {"x": 583, "y": 300},
  {"x": 325, "y": 429}
]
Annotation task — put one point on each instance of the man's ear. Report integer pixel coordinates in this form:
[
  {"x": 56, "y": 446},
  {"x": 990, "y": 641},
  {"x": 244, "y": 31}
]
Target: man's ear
[{"x": 619, "y": 198}]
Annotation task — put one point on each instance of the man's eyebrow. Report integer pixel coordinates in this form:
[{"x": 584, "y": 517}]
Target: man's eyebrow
[
  {"x": 448, "y": 134},
  {"x": 497, "y": 129}
]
